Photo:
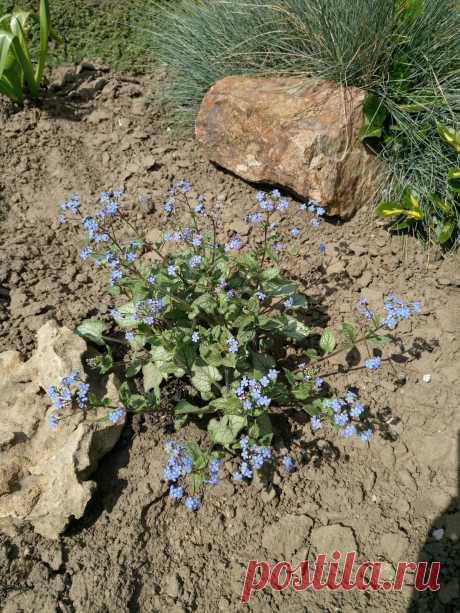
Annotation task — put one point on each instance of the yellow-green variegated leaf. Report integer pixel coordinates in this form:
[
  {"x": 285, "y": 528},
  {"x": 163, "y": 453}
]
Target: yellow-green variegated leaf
[
  {"x": 445, "y": 230},
  {"x": 444, "y": 205},
  {"x": 454, "y": 180},
  {"x": 390, "y": 209},
  {"x": 450, "y": 136}
]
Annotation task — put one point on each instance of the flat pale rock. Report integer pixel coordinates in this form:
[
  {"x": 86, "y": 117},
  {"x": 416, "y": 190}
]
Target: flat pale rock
[
  {"x": 44, "y": 472},
  {"x": 299, "y": 134}
]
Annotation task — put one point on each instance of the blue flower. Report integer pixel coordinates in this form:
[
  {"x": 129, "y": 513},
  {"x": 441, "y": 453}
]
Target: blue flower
[
  {"x": 82, "y": 393},
  {"x": 130, "y": 336},
  {"x": 193, "y": 503},
  {"x": 318, "y": 382},
  {"x": 366, "y": 436},
  {"x": 116, "y": 415},
  {"x": 200, "y": 208},
  {"x": 276, "y": 193},
  {"x": 176, "y": 492},
  {"x": 315, "y": 222},
  {"x": 237, "y": 476},
  {"x": 196, "y": 337},
  {"x": 72, "y": 204},
  {"x": 255, "y": 218},
  {"x": 245, "y": 470},
  {"x": 54, "y": 396},
  {"x": 267, "y": 205},
  {"x": 349, "y": 431},
  {"x": 357, "y": 410},
  {"x": 322, "y": 248},
  {"x": 288, "y": 463},
  {"x": 289, "y": 302},
  {"x": 260, "y": 295},
  {"x": 214, "y": 465},
  {"x": 373, "y": 363},
  {"x": 195, "y": 261},
  {"x": 52, "y": 421},
  {"x": 320, "y": 211},
  {"x": 264, "y": 381},
  {"x": 232, "y": 345},
  {"x": 315, "y": 423},
  {"x": 172, "y": 270},
  {"x": 61, "y": 220},
  {"x": 416, "y": 307},
  {"x": 283, "y": 205},
  {"x": 71, "y": 378},
  {"x": 197, "y": 241},
  {"x": 230, "y": 293},
  {"x": 295, "y": 232},
  {"x": 350, "y": 397},
  {"x": 233, "y": 243},
  {"x": 341, "y": 419},
  {"x": 272, "y": 374}
]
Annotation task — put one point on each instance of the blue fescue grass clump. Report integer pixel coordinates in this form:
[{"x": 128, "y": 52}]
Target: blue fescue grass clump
[{"x": 404, "y": 52}]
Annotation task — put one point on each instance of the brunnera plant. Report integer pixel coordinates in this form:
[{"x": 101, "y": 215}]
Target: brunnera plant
[{"x": 219, "y": 313}]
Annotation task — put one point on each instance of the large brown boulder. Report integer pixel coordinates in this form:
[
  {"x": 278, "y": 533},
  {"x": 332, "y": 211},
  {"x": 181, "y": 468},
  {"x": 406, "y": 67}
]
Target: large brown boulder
[{"x": 298, "y": 134}]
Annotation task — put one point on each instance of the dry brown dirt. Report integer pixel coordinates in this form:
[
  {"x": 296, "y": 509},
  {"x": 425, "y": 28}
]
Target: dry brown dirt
[{"x": 134, "y": 550}]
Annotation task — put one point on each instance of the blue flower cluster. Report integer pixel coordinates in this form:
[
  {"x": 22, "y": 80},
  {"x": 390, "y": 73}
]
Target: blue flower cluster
[
  {"x": 288, "y": 463},
  {"x": 395, "y": 310},
  {"x": 181, "y": 187},
  {"x": 344, "y": 411},
  {"x": 179, "y": 465},
  {"x": 253, "y": 459},
  {"x": 71, "y": 389},
  {"x": 272, "y": 201},
  {"x": 145, "y": 311},
  {"x": 71, "y": 205},
  {"x": 232, "y": 343},
  {"x": 233, "y": 244},
  {"x": 116, "y": 415},
  {"x": 251, "y": 392},
  {"x": 313, "y": 206}
]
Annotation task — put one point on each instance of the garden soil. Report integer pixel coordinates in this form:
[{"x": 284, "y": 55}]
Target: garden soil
[{"x": 135, "y": 550}]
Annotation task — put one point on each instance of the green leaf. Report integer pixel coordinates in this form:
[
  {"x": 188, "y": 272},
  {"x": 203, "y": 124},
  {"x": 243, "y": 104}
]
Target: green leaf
[
  {"x": 262, "y": 362},
  {"x": 204, "y": 377},
  {"x": 261, "y": 429},
  {"x": 92, "y": 330},
  {"x": 295, "y": 329},
  {"x": 224, "y": 431},
  {"x": 302, "y": 392},
  {"x": 350, "y": 333},
  {"x": 134, "y": 368},
  {"x": 375, "y": 111},
  {"x": 280, "y": 288},
  {"x": 327, "y": 341},
  {"x": 270, "y": 274},
  {"x": 381, "y": 339},
  {"x": 454, "y": 180},
  {"x": 369, "y": 131},
  {"x": 450, "y": 136},
  {"x": 198, "y": 457},
  {"x": 229, "y": 406},
  {"x": 445, "y": 230},
  {"x": 185, "y": 356},
  {"x": 152, "y": 376},
  {"x": 205, "y": 303},
  {"x": 105, "y": 364}
]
